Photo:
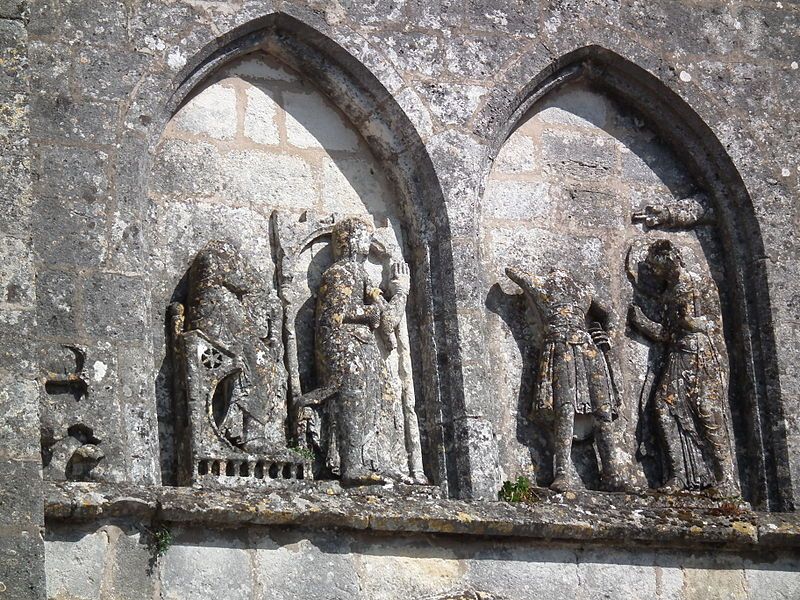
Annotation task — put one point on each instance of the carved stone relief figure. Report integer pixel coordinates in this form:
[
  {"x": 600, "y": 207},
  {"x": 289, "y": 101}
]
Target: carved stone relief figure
[
  {"x": 70, "y": 448},
  {"x": 357, "y": 412},
  {"x": 230, "y": 368},
  {"x": 575, "y": 379},
  {"x": 229, "y": 303},
  {"x": 688, "y": 397}
]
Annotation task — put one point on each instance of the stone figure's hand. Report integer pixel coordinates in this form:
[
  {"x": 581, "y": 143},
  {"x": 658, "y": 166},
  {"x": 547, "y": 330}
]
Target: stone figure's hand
[
  {"x": 635, "y": 314},
  {"x": 653, "y": 215},
  {"x": 400, "y": 282}
]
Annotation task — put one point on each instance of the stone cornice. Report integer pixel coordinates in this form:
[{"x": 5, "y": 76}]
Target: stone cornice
[{"x": 655, "y": 521}]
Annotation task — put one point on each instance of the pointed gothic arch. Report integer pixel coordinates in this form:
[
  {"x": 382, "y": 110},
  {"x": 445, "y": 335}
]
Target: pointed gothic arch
[
  {"x": 754, "y": 387},
  {"x": 394, "y": 141}
]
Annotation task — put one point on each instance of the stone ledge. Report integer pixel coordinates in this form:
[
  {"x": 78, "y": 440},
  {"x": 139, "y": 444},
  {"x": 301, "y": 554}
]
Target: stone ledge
[{"x": 600, "y": 517}]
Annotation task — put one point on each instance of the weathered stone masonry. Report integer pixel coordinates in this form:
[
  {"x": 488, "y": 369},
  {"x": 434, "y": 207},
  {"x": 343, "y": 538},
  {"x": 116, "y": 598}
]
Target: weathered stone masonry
[
  {"x": 22, "y": 554},
  {"x": 475, "y": 136}
]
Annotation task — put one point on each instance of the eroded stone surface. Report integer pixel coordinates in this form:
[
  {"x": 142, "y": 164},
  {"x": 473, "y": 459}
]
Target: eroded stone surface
[
  {"x": 107, "y": 259},
  {"x": 374, "y": 559}
]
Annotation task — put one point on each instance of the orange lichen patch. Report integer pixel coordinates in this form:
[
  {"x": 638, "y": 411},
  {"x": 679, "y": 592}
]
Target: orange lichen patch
[{"x": 745, "y": 528}]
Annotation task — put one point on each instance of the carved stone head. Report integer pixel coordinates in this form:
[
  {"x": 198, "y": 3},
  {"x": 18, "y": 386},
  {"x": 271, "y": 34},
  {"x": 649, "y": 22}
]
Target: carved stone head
[
  {"x": 352, "y": 237},
  {"x": 664, "y": 259}
]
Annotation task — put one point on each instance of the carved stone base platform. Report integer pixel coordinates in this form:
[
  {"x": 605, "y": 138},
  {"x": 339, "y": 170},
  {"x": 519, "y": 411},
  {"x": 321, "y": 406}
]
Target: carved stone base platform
[{"x": 613, "y": 519}]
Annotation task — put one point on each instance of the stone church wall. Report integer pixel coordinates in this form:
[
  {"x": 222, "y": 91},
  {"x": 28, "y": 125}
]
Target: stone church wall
[{"x": 166, "y": 159}]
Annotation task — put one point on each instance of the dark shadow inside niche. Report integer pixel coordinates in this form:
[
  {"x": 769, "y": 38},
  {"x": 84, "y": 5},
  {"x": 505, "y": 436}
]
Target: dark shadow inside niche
[
  {"x": 532, "y": 430},
  {"x": 652, "y": 172},
  {"x": 321, "y": 259},
  {"x": 167, "y": 396}
]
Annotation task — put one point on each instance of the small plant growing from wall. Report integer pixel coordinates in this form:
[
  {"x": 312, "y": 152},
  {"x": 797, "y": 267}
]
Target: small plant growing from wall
[
  {"x": 160, "y": 540},
  {"x": 304, "y": 453},
  {"x": 518, "y": 491}
]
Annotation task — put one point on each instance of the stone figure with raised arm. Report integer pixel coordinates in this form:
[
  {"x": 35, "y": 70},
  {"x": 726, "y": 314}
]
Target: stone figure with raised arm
[
  {"x": 350, "y": 314},
  {"x": 574, "y": 378},
  {"x": 689, "y": 394}
]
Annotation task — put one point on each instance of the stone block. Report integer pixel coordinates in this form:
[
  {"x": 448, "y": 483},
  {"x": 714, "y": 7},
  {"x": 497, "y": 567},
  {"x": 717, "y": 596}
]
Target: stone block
[
  {"x": 517, "y": 155},
  {"x": 139, "y": 417},
  {"x": 436, "y": 14},
  {"x": 115, "y": 307},
  {"x": 17, "y": 281},
  {"x": 285, "y": 559},
  {"x": 259, "y": 68},
  {"x": 19, "y": 430},
  {"x": 184, "y": 228},
  {"x": 416, "y": 111},
  {"x": 522, "y": 573},
  {"x": 515, "y": 17},
  {"x": 646, "y": 163},
  {"x": 131, "y": 570},
  {"x": 70, "y": 173},
  {"x": 95, "y": 22},
  {"x": 70, "y": 232},
  {"x": 187, "y": 169},
  {"x": 259, "y": 117},
  {"x": 713, "y": 578},
  {"x": 311, "y": 122},
  {"x": 770, "y": 30},
  {"x": 467, "y": 275},
  {"x": 417, "y": 53},
  {"x": 581, "y": 157},
  {"x": 669, "y": 578},
  {"x": 517, "y": 200},
  {"x": 58, "y": 116},
  {"x": 75, "y": 565},
  {"x": 420, "y": 572},
  {"x": 777, "y": 580},
  {"x": 50, "y": 65},
  {"x": 44, "y": 18},
  {"x": 208, "y": 568},
  {"x": 14, "y": 122},
  {"x": 372, "y": 12},
  {"x": 539, "y": 250},
  {"x": 476, "y": 443},
  {"x": 269, "y": 180},
  {"x": 15, "y": 195},
  {"x": 450, "y": 103},
  {"x": 22, "y": 572},
  {"x": 107, "y": 75},
  {"x": 13, "y": 9},
  {"x": 126, "y": 239},
  {"x": 354, "y": 186},
  {"x": 21, "y": 492},
  {"x": 17, "y": 328},
  {"x": 98, "y": 412},
  {"x": 13, "y": 55},
  {"x": 610, "y": 574},
  {"x": 577, "y": 107},
  {"x": 477, "y": 57},
  {"x": 211, "y": 113},
  {"x": 591, "y": 209}
]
